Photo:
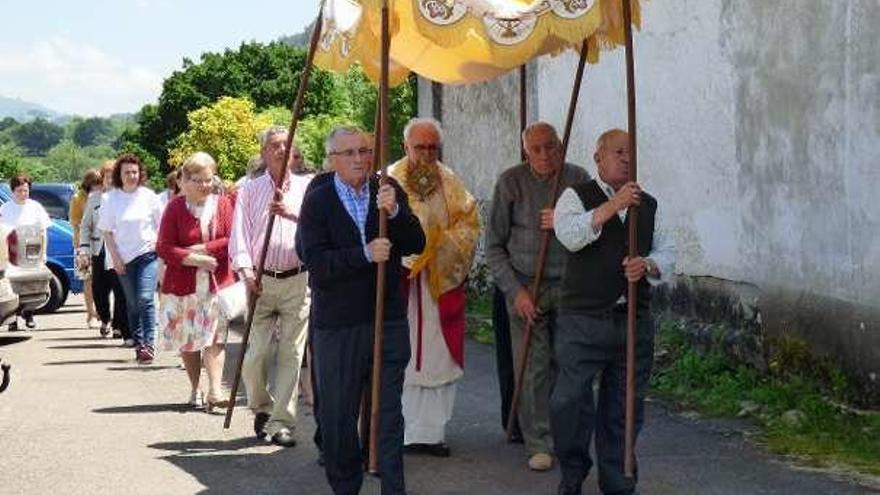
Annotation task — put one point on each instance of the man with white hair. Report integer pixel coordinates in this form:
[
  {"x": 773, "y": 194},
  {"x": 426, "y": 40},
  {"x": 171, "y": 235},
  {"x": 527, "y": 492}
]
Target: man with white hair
[
  {"x": 436, "y": 285},
  {"x": 517, "y": 221},
  {"x": 339, "y": 231}
]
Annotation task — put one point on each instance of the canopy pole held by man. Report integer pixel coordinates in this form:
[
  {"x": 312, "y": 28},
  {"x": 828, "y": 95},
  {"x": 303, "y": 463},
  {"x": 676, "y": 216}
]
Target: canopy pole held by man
[
  {"x": 378, "y": 333},
  {"x": 523, "y": 106},
  {"x": 366, "y": 408},
  {"x": 632, "y": 288},
  {"x": 295, "y": 118},
  {"x": 545, "y": 239}
]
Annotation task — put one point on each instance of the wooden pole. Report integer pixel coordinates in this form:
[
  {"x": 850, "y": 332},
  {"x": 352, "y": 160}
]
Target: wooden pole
[
  {"x": 295, "y": 118},
  {"x": 545, "y": 238},
  {"x": 378, "y": 332},
  {"x": 523, "y": 108},
  {"x": 632, "y": 289},
  {"x": 366, "y": 408}
]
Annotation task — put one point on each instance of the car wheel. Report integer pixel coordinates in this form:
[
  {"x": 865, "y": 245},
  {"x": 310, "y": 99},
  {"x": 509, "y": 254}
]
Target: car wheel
[{"x": 57, "y": 295}]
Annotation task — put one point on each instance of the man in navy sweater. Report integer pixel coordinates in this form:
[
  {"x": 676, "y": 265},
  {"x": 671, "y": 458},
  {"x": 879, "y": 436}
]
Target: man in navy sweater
[{"x": 338, "y": 229}]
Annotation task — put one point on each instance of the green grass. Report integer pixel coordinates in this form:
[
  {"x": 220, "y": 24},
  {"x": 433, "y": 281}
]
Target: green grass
[
  {"x": 479, "y": 318},
  {"x": 829, "y": 435}
]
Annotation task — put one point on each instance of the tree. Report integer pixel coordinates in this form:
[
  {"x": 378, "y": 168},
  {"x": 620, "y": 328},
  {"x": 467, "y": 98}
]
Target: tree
[
  {"x": 7, "y": 123},
  {"x": 227, "y": 130},
  {"x": 68, "y": 162},
  {"x": 37, "y": 137},
  {"x": 93, "y": 131},
  {"x": 267, "y": 74},
  {"x": 10, "y": 161}
]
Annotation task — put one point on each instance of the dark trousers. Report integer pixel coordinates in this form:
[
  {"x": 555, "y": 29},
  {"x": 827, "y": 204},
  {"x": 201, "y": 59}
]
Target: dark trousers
[
  {"x": 586, "y": 346},
  {"x": 104, "y": 282},
  {"x": 503, "y": 356},
  {"x": 316, "y": 397},
  {"x": 343, "y": 357}
]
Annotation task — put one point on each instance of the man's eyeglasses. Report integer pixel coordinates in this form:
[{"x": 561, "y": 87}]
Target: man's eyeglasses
[
  {"x": 351, "y": 152},
  {"x": 426, "y": 147}
]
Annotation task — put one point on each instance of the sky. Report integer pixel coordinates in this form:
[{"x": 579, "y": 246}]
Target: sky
[{"x": 93, "y": 57}]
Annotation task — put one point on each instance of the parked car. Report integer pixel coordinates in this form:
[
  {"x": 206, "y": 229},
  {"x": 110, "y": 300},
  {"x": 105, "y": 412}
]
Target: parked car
[
  {"x": 55, "y": 198},
  {"x": 27, "y": 274},
  {"x": 60, "y": 254},
  {"x": 8, "y": 297}
]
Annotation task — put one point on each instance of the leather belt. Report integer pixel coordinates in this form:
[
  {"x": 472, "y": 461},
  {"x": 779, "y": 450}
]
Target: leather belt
[{"x": 286, "y": 273}]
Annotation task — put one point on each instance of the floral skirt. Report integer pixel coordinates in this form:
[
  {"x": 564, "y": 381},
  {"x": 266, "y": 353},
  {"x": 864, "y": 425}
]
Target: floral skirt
[{"x": 189, "y": 323}]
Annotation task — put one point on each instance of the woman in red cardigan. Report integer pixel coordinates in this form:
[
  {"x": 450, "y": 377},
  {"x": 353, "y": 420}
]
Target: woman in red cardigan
[{"x": 193, "y": 240}]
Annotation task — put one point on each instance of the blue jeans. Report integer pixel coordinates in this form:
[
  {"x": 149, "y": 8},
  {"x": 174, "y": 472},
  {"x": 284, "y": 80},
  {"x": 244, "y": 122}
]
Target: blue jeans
[{"x": 139, "y": 285}]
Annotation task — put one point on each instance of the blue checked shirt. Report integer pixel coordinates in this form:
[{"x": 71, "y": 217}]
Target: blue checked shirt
[{"x": 356, "y": 203}]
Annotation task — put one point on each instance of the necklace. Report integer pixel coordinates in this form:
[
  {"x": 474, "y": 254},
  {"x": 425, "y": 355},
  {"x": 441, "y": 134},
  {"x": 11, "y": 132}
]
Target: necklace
[{"x": 422, "y": 179}]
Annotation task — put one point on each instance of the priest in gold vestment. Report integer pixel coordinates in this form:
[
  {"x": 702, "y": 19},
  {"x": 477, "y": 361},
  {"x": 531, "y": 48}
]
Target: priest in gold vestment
[{"x": 436, "y": 286}]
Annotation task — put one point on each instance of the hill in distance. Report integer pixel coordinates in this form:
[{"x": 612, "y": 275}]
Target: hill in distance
[{"x": 24, "y": 111}]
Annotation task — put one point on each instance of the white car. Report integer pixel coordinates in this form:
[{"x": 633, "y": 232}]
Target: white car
[{"x": 25, "y": 272}]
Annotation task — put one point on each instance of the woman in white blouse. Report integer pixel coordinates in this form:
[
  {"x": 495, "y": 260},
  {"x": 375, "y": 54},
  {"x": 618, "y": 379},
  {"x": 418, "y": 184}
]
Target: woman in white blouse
[{"x": 130, "y": 221}]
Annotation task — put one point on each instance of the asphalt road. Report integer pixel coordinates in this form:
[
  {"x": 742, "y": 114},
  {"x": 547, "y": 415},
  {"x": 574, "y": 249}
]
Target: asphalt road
[{"x": 80, "y": 417}]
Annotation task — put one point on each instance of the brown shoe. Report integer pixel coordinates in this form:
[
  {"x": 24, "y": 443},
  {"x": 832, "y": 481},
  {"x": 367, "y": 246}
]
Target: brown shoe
[{"x": 541, "y": 462}]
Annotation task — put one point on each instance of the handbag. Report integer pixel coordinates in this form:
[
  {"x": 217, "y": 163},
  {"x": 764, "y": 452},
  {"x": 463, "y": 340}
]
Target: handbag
[{"x": 232, "y": 300}]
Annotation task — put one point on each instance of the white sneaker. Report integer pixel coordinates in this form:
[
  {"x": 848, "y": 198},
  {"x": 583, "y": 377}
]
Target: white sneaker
[{"x": 128, "y": 343}]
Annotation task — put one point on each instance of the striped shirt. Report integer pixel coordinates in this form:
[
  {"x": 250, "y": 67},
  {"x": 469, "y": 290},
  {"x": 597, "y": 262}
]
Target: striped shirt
[{"x": 250, "y": 220}]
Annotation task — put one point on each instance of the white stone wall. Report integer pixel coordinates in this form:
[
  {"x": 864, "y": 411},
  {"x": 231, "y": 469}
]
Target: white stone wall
[{"x": 759, "y": 132}]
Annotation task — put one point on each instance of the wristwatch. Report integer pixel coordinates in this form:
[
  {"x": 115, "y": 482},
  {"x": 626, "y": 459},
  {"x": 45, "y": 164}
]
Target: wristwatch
[{"x": 650, "y": 267}]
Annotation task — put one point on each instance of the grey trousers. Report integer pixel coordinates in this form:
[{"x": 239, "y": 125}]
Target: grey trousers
[
  {"x": 343, "y": 357},
  {"x": 533, "y": 410},
  {"x": 586, "y": 346}
]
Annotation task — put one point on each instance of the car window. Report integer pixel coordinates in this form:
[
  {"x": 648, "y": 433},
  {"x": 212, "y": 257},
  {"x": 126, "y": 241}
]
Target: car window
[{"x": 54, "y": 206}]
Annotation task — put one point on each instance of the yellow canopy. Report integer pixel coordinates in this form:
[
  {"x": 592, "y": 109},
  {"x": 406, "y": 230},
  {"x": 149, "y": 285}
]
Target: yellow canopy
[{"x": 464, "y": 41}]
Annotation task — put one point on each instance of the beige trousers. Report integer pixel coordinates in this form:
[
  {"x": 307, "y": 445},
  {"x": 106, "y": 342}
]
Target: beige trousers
[{"x": 286, "y": 301}]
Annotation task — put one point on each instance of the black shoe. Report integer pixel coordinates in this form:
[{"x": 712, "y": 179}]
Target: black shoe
[
  {"x": 517, "y": 438},
  {"x": 569, "y": 489},
  {"x": 431, "y": 449},
  {"x": 13, "y": 327},
  {"x": 260, "y": 420},
  {"x": 29, "y": 322},
  {"x": 117, "y": 334},
  {"x": 283, "y": 438}
]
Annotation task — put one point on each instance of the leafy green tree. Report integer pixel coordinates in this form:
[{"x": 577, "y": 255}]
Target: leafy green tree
[
  {"x": 267, "y": 74},
  {"x": 227, "y": 130},
  {"x": 68, "y": 162},
  {"x": 7, "y": 123},
  {"x": 93, "y": 131},
  {"x": 10, "y": 160},
  {"x": 38, "y": 136}
]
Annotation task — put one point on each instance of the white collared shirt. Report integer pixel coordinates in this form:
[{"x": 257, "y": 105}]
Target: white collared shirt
[{"x": 573, "y": 226}]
